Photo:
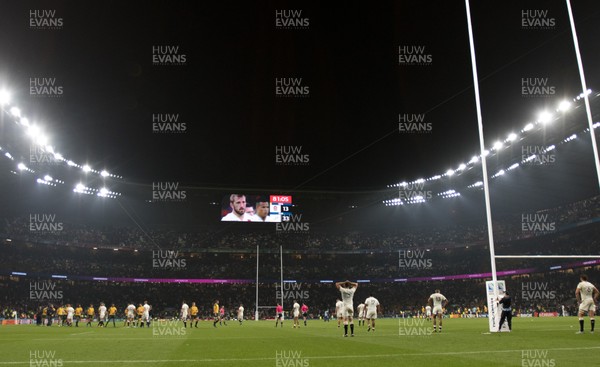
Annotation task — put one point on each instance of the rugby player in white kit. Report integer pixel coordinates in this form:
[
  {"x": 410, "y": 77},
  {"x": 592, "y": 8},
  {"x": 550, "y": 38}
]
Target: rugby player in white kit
[
  {"x": 184, "y": 313},
  {"x": 339, "y": 314},
  {"x": 347, "y": 289},
  {"x": 361, "y": 314},
  {"x": 587, "y": 296},
  {"x": 439, "y": 302},
  {"x": 372, "y": 305},
  {"x": 296, "y": 313}
]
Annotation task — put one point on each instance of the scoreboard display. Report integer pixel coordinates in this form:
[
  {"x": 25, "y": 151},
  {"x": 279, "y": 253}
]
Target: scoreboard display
[
  {"x": 256, "y": 208},
  {"x": 281, "y": 207}
]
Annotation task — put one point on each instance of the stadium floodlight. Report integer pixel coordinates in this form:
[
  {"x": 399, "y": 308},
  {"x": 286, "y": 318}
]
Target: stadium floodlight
[
  {"x": 512, "y": 137},
  {"x": 21, "y": 166},
  {"x": 48, "y": 178},
  {"x": 403, "y": 184},
  {"x": 497, "y": 145},
  {"x": 545, "y": 117},
  {"x": 34, "y": 131},
  {"x": 486, "y": 153},
  {"x": 420, "y": 180},
  {"x": 24, "y": 121},
  {"x": 513, "y": 166},
  {"x": 564, "y": 106},
  {"x": 7, "y": 154},
  {"x": 4, "y": 97},
  {"x": 79, "y": 187},
  {"x": 72, "y": 164},
  {"x": 41, "y": 140},
  {"x": 528, "y": 127},
  {"x": 449, "y": 173},
  {"x": 474, "y": 159},
  {"x": 15, "y": 112},
  {"x": 86, "y": 168},
  {"x": 104, "y": 173},
  {"x": 461, "y": 167},
  {"x": 551, "y": 147}
]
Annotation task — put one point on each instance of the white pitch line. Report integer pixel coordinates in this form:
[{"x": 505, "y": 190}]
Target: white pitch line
[{"x": 305, "y": 357}]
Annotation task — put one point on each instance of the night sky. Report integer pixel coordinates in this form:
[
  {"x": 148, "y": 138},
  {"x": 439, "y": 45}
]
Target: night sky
[{"x": 346, "y": 54}]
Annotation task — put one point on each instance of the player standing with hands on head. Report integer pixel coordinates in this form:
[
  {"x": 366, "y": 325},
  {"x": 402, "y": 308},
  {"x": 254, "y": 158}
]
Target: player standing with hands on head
[
  {"x": 439, "y": 302},
  {"x": 587, "y": 296},
  {"x": 347, "y": 289}
]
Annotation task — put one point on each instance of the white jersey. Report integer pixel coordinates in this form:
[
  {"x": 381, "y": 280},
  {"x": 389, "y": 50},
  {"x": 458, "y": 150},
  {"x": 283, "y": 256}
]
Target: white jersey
[
  {"x": 130, "y": 310},
  {"x": 184, "y": 309},
  {"x": 586, "y": 290},
  {"x": 234, "y": 218},
  {"x": 428, "y": 310},
  {"x": 438, "y": 299},
  {"x": 347, "y": 295},
  {"x": 372, "y": 304},
  {"x": 339, "y": 305},
  {"x": 70, "y": 312},
  {"x": 257, "y": 218},
  {"x": 102, "y": 311},
  {"x": 240, "y": 311},
  {"x": 360, "y": 309}
]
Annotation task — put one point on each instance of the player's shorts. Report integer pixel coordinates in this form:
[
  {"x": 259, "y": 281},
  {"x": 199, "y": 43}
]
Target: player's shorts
[
  {"x": 348, "y": 311},
  {"x": 296, "y": 313},
  {"x": 146, "y": 317},
  {"x": 428, "y": 313},
  {"x": 184, "y": 316},
  {"x": 340, "y": 315},
  {"x": 371, "y": 314},
  {"x": 130, "y": 316},
  {"x": 587, "y": 305},
  {"x": 240, "y": 316},
  {"x": 279, "y": 315},
  {"x": 102, "y": 317},
  {"x": 437, "y": 310},
  {"x": 70, "y": 318},
  {"x": 305, "y": 314}
]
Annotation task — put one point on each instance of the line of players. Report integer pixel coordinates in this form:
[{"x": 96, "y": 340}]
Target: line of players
[
  {"x": 68, "y": 315},
  {"x": 368, "y": 310},
  {"x": 190, "y": 314}
]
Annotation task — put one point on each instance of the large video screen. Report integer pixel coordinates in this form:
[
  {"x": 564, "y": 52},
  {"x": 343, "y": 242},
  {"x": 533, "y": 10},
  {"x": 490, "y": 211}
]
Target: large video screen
[{"x": 256, "y": 208}]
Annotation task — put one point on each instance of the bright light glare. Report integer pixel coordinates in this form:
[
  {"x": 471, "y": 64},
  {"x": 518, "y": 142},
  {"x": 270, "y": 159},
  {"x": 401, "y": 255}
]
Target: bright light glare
[
  {"x": 545, "y": 117},
  {"x": 512, "y": 137},
  {"x": 48, "y": 178},
  {"x": 104, "y": 173},
  {"x": 86, "y": 168},
  {"x": 498, "y": 145},
  {"x": 15, "y": 111},
  {"x": 21, "y": 166},
  {"x": 564, "y": 106},
  {"x": 4, "y": 97},
  {"x": 449, "y": 172},
  {"x": 528, "y": 127}
]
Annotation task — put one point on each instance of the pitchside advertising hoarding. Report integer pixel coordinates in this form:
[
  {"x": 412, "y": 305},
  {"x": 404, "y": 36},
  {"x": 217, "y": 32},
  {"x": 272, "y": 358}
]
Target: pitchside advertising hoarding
[{"x": 494, "y": 312}]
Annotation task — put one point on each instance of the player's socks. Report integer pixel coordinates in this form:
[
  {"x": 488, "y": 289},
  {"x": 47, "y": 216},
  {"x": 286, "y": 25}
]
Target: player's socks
[
  {"x": 184, "y": 324},
  {"x": 581, "y": 324},
  {"x": 352, "y": 329},
  {"x": 593, "y": 322},
  {"x": 196, "y": 323},
  {"x": 345, "y": 329}
]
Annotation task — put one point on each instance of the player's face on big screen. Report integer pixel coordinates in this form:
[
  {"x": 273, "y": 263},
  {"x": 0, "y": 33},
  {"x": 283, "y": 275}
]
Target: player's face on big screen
[
  {"x": 239, "y": 205},
  {"x": 262, "y": 209}
]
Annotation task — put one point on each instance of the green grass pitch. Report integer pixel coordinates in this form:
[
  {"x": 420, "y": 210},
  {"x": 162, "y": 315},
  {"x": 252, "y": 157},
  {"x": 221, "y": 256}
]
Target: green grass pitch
[{"x": 546, "y": 342}]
